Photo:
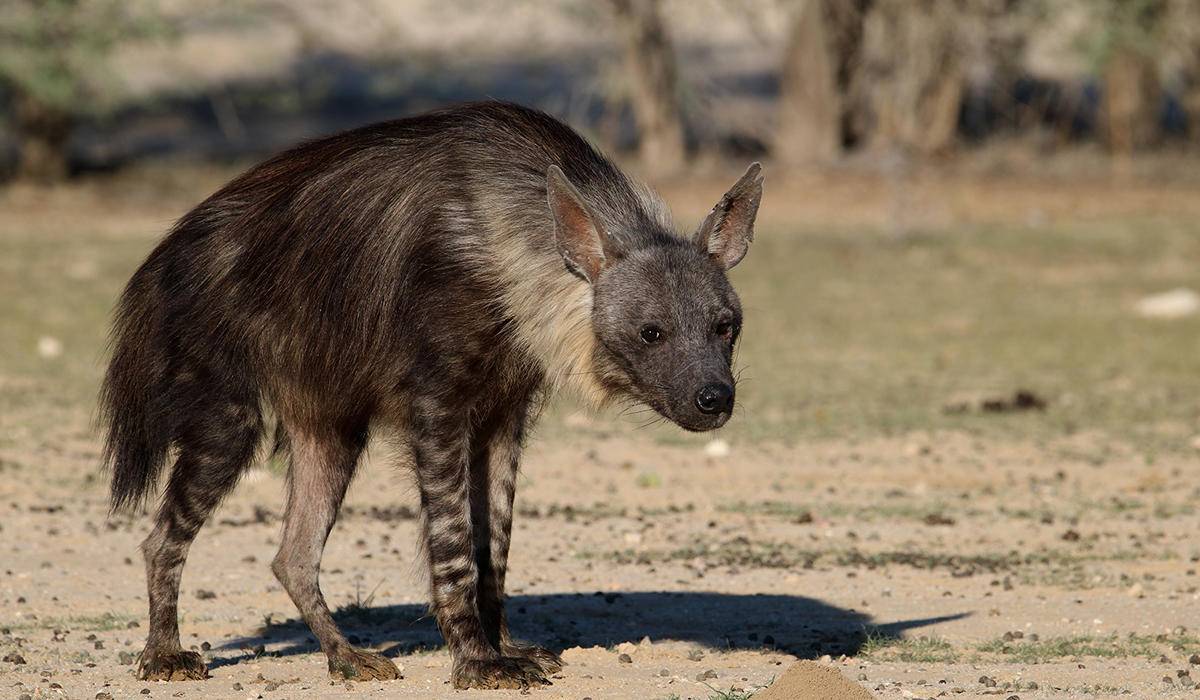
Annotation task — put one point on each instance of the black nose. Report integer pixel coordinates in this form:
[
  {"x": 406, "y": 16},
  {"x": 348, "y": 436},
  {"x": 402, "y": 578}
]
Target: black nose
[{"x": 715, "y": 398}]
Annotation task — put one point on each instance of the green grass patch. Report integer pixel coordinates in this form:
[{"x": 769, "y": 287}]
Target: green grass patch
[
  {"x": 908, "y": 650},
  {"x": 105, "y": 622},
  {"x": 1060, "y": 647}
]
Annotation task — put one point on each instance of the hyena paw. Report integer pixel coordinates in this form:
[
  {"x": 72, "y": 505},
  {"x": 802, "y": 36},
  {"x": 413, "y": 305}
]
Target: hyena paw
[
  {"x": 171, "y": 666},
  {"x": 358, "y": 665},
  {"x": 548, "y": 661},
  {"x": 492, "y": 674}
]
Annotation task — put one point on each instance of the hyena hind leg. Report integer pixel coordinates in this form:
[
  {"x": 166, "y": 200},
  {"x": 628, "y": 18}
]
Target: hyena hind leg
[
  {"x": 214, "y": 448},
  {"x": 495, "y": 460},
  {"x": 321, "y": 469}
]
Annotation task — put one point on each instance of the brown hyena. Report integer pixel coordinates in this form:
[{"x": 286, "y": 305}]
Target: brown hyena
[{"x": 431, "y": 277}]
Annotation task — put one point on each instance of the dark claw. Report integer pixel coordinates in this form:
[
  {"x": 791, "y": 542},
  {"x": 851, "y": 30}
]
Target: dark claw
[
  {"x": 493, "y": 674},
  {"x": 358, "y": 665},
  {"x": 172, "y": 666}
]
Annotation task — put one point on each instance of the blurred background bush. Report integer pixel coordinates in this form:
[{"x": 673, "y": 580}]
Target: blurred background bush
[{"x": 94, "y": 85}]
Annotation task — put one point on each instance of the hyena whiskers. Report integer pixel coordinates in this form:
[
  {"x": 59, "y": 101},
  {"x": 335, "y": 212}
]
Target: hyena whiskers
[{"x": 433, "y": 279}]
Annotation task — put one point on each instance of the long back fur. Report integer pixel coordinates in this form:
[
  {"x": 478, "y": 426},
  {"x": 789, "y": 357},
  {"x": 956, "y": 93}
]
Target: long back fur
[{"x": 413, "y": 255}]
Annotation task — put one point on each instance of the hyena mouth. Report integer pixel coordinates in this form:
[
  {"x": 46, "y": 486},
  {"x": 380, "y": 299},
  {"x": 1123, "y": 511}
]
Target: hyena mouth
[{"x": 712, "y": 423}]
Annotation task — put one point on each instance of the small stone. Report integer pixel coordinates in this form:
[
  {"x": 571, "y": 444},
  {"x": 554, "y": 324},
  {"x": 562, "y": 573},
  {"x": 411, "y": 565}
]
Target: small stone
[
  {"x": 717, "y": 449},
  {"x": 104, "y": 696},
  {"x": 125, "y": 657},
  {"x": 202, "y": 594},
  {"x": 205, "y": 646},
  {"x": 1194, "y": 659},
  {"x": 145, "y": 691},
  {"x": 625, "y": 659},
  {"x": 987, "y": 682},
  {"x": 664, "y": 672},
  {"x": 49, "y": 347},
  {"x": 15, "y": 658},
  {"x": 707, "y": 675}
]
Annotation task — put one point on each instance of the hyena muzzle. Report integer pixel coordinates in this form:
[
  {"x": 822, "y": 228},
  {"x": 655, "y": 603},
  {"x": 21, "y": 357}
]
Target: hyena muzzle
[{"x": 431, "y": 277}]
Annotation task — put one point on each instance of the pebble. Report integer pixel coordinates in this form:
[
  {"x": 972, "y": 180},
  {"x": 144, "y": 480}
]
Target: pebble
[
  {"x": 717, "y": 448},
  {"x": 625, "y": 659},
  {"x": 49, "y": 347},
  {"x": 706, "y": 675},
  {"x": 14, "y": 658}
]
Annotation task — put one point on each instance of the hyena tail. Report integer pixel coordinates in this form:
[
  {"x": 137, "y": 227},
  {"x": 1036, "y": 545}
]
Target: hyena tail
[{"x": 138, "y": 436}]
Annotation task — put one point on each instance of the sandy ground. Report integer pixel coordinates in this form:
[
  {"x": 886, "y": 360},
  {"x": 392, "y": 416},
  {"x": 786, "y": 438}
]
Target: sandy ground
[{"x": 724, "y": 569}]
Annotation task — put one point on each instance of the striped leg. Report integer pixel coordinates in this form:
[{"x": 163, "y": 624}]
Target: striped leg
[
  {"x": 321, "y": 470},
  {"x": 443, "y": 458},
  {"x": 215, "y": 446},
  {"x": 494, "y": 463}
]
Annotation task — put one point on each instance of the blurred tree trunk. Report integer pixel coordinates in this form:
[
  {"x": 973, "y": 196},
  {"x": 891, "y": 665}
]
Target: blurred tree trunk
[
  {"x": 650, "y": 63},
  {"x": 1132, "y": 94},
  {"x": 911, "y": 79},
  {"x": 810, "y": 102},
  {"x": 43, "y": 133},
  {"x": 1135, "y": 33}
]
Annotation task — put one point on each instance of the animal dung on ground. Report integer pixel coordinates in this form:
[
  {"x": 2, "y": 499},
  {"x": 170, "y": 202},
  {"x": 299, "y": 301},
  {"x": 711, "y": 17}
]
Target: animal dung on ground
[
  {"x": 1019, "y": 401},
  {"x": 809, "y": 680}
]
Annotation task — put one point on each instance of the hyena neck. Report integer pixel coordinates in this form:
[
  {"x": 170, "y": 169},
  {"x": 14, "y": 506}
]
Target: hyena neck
[{"x": 552, "y": 313}]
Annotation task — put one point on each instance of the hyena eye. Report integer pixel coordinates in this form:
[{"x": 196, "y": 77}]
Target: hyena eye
[
  {"x": 724, "y": 329},
  {"x": 651, "y": 334}
]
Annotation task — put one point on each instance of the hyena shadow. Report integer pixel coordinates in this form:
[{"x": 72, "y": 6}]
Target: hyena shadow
[{"x": 804, "y": 627}]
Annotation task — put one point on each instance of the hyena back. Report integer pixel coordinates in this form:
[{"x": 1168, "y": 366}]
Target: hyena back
[{"x": 432, "y": 277}]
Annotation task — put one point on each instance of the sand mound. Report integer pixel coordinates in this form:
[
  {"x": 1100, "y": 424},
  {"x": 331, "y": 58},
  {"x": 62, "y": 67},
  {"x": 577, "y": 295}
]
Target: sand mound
[{"x": 808, "y": 680}]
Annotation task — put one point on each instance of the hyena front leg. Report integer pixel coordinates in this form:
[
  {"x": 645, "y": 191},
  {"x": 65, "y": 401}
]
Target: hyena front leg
[
  {"x": 441, "y": 448},
  {"x": 321, "y": 469},
  {"x": 495, "y": 460}
]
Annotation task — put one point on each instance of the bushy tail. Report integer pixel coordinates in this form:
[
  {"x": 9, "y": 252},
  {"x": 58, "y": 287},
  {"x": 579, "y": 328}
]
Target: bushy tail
[{"x": 131, "y": 397}]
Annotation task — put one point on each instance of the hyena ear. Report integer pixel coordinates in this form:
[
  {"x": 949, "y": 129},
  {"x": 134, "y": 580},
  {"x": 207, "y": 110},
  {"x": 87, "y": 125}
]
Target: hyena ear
[
  {"x": 726, "y": 232},
  {"x": 581, "y": 239}
]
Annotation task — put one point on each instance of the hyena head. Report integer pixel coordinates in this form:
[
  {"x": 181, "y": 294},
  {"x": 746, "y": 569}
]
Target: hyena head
[{"x": 665, "y": 316}]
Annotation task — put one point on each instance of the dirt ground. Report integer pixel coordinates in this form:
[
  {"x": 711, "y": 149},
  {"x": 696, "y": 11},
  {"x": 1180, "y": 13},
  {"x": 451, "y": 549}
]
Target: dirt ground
[{"x": 982, "y": 555}]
